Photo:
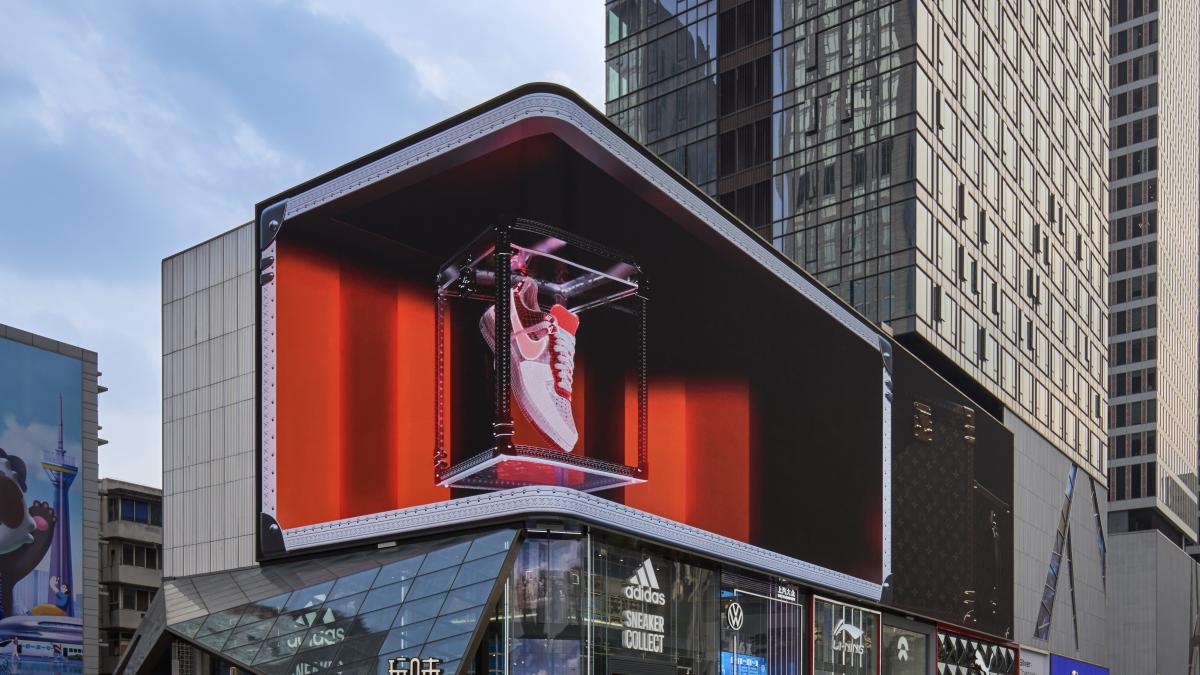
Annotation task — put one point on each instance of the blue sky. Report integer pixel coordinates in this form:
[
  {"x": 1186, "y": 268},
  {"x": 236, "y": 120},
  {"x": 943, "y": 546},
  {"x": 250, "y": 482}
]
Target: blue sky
[{"x": 131, "y": 130}]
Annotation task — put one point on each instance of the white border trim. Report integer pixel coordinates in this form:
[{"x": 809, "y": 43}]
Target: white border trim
[
  {"x": 549, "y": 500},
  {"x": 268, "y": 398}
]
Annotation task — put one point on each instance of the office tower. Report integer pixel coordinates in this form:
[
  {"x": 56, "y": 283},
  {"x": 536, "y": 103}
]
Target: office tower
[
  {"x": 939, "y": 165},
  {"x": 1153, "y": 258},
  {"x": 1155, "y": 586}
]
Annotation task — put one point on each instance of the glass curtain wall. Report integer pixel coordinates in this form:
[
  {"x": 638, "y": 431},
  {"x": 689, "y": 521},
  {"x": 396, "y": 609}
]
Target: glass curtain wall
[{"x": 609, "y": 605}]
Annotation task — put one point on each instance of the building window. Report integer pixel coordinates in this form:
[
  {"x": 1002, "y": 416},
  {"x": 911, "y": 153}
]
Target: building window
[
  {"x": 135, "y": 510},
  {"x": 137, "y": 555},
  {"x": 136, "y": 599}
]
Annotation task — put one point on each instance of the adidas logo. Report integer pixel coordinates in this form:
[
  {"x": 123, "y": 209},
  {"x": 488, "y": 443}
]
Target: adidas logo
[{"x": 644, "y": 586}]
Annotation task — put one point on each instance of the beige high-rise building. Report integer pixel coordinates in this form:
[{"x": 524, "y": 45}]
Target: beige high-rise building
[{"x": 1153, "y": 259}]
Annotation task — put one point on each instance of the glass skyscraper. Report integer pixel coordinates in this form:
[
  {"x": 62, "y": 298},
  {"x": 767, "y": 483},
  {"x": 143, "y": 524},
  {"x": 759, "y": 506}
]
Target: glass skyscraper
[{"x": 939, "y": 164}]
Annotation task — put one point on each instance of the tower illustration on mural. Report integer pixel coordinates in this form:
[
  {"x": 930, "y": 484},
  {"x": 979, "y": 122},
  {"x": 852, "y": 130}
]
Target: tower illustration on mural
[{"x": 61, "y": 471}]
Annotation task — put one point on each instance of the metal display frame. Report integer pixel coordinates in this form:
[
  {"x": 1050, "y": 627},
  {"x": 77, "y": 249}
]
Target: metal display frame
[{"x": 459, "y": 279}]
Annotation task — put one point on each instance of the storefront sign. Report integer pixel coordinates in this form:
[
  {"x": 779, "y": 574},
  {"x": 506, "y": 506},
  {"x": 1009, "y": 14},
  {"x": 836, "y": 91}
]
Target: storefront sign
[
  {"x": 742, "y": 664},
  {"x": 785, "y": 593},
  {"x": 1034, "y": 663},
  {"x": 414, "y": 666},
  {"x": 845, "y": 639},
  {"x": 1061, "y": 665},
  {"x": 644, "y": 631},
  {"x": 735, "y": 615},
  {"x": 904, "y": 652}
]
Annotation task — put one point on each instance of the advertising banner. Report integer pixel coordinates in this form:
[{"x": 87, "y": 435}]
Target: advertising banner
[
  {"x": 845, "y": 639},
  {"x": 41, "y": 528},
  {"x": 1061, "y": 665},
  {"x": 952, "y": 488}
]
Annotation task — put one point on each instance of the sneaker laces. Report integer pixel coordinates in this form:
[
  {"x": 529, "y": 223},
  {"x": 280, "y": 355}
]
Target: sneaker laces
[{"x": 562, "y": 343}]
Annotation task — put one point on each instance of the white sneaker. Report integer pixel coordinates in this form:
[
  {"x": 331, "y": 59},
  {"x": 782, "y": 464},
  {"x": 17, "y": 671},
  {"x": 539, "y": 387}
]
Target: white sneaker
[{"x": 543, "y": 362}]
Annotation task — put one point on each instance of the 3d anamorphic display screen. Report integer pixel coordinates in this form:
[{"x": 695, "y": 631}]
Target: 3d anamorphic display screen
[
  {"x": 763, "y": 416},
  {"x": 41, "y": 506},
  {"x": 952, "y": 495}
]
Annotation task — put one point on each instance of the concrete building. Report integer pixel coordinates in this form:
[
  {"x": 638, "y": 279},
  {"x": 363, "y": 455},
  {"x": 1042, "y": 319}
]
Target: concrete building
[
  {"x": 941, "y": 166},
  {"x": 131, "y": 562},
  {"x": 1154, "y": 602}
]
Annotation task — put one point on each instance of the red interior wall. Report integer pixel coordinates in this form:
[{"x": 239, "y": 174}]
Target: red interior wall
[
  {"x": 355, "y": 418},
  {"x": 356, "y": 407},
  {"x": 699, "y": 441}
]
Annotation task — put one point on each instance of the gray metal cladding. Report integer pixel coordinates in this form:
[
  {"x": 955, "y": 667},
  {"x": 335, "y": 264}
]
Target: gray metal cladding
[{"x": 208, "y": 405}]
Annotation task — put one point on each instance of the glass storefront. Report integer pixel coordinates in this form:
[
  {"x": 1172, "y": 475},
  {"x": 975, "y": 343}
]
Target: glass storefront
[
  {"x": 610, "y": 605},
  {"x": 762, "y": 627},
  {"x": 845, "y": 639},
  {"x": 903, "y": 651},
  {"x": 546, "y": 595},
  {"x": 523, "y": 602},
  {"x": 652, "y": 611}
]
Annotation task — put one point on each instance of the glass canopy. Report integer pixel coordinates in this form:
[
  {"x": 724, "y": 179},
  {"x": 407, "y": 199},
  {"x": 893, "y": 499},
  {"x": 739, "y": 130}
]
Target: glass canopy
[{"x": 350, "y": 614}]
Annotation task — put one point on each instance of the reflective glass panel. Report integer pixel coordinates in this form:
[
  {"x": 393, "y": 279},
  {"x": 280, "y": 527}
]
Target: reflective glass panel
[
  {"x": 419, "y": 610},
  {"x": 445, "y": 557},
  {"x": 428, "y": 584},
  {"x": 355, "y": 583}
]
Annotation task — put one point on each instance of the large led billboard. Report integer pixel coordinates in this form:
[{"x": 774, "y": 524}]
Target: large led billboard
[
  {"x": 749, "y": 411},
  {"x": 520, "y": 297},
  {"x": 658, "y": 358},
  {"x": 41, "y": 505}
]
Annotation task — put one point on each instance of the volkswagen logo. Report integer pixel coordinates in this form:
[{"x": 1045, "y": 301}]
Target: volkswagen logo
[{"x": 735, "y": 615}]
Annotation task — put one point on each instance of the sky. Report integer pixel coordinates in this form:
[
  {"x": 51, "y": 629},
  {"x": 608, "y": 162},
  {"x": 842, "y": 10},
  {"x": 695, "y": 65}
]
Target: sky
[{"x": 132, "y": 130}]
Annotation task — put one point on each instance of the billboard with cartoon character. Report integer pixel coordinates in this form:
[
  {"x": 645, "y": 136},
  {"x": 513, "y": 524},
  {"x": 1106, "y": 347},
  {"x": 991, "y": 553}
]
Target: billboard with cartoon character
[{"x": 41, "y": 504}]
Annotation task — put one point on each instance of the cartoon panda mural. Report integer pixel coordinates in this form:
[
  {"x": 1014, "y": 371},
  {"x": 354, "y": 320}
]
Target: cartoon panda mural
[{"x": 26, "y": 531}]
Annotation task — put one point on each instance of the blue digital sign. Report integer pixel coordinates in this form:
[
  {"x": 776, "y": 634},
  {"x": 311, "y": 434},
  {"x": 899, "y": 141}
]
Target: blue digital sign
[
  {"x": 746, "y": 664},
  {"x": 1061, "y": 665}
]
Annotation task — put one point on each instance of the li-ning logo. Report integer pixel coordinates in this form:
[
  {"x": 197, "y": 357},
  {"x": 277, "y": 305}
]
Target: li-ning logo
[
  {"x": 847, "y": 638},
  {"x": 644, "y": 586}
]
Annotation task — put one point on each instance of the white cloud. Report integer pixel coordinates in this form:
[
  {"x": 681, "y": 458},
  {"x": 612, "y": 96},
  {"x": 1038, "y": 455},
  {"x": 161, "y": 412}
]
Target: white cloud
[
  {"x": 465, "y": 52},
  {"x": 121, "y": 323},
  {"x": 27, "y": 440},
  {"x": 91, "y": 91}
]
